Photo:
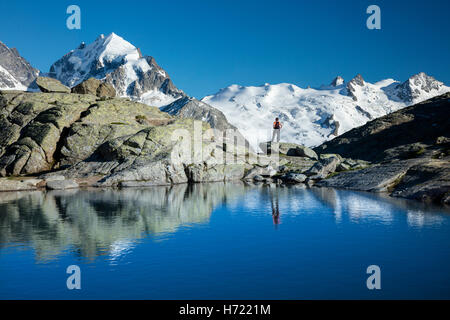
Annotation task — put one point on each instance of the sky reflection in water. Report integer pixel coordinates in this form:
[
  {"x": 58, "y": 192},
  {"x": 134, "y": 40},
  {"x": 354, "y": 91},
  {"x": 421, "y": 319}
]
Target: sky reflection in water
[{"x": 201, "y": 241}]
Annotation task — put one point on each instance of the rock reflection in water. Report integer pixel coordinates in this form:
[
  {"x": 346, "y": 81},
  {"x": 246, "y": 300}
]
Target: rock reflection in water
[
  {"x": 110, "y": 222},
  {"x": 97, "y": 222}
]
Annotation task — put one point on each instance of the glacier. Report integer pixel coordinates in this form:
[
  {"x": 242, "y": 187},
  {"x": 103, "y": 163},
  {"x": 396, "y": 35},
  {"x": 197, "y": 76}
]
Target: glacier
[{"x": 312, "y": 116}]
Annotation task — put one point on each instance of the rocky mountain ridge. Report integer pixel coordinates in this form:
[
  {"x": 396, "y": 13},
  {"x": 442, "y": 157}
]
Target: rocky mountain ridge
[
  {"x": 410, "y": 149},
  {"x": 312, "y": 116},
  {"x": 15, "y": 72},
  {"x": 63, "y": 140},
  {"x": 119, "y": 63}
]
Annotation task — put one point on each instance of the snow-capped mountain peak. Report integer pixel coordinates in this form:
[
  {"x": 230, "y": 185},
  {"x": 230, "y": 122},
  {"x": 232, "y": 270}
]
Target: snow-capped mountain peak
[
  {"x": 420, "y": 87},
  {"x": 99, "y": 57},
  {"x": 15, "y": 72},
  {"x": 312, "y": 116},
  {"x": 354, "y": 87},
  {"x": 118, "y": 62},
  {"x": 338, "y": 81}
]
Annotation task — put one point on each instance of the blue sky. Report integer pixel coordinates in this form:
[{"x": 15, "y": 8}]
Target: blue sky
[{"x": 210, "y": 44}]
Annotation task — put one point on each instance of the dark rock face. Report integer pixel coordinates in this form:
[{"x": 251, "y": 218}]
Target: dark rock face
[
  {"x": 187, "y": 107},
  {"x": 17, "y": 67},
  {"x": 412, "y": 148},
  {"x": 427, "y": 181},
  {"x": 364, "y": 112},
  {"x": 351, "y": 86},
  {"x": 337, "y": 81},
  {"x": 95, "y": 87},
  {"x": 423, "y": 122},
  {"x": 154, "y": 79},
  {"x": 414, "y": 86},
  {"x": 331, "y": 122},
  {"x": 51, "y": 85}
]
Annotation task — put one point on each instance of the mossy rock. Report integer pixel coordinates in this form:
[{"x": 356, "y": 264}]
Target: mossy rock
[{"x": 51, "y": 85}]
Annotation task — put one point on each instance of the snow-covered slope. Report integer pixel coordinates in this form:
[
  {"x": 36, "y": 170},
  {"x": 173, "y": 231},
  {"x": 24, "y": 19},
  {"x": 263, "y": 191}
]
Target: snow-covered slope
[
  {"x": 121, "y": 64},
  {"x": 8, "y": 82},
  {"x": 312, "y": 116},
  {"x": 15, "y": 72}
]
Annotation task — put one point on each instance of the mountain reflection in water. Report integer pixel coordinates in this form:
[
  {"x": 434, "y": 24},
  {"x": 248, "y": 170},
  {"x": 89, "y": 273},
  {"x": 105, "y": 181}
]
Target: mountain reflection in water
[
  {"x": 110, "y": 222},
  {"x": 96, "y": 222}
]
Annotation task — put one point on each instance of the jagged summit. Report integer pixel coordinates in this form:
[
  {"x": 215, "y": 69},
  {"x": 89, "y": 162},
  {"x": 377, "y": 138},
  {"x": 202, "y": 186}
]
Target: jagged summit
[
  {"x": 188, "y": 107},
  {"x": 16, "y": 73},
  {"x": 312, "y": 116},
  {"x": 353, "y": 86},
  {"x": 118, "y": 62},
  {"x": 419, "y": 86},
  {"x": 337, "y": 81},
  {"x": 358, "y": 79}
]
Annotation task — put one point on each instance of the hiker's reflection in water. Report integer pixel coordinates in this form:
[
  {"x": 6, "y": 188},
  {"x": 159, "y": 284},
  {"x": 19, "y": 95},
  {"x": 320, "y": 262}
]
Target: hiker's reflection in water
[{"x": 275, "y": 208}]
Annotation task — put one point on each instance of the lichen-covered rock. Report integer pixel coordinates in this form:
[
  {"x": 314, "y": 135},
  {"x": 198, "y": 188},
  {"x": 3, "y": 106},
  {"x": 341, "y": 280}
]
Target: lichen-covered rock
[
  {"x": 258, "y": 178},
  {"x": 95, "y": 87},
  {"x": 43, "y": 131},
  {"x": 220, "y": 172},
  {"x": 289, "y": 149},
  {"x": 378, "y": 178},
  {"x": 138, "y": 184},
  {"x": 15, "y": 184},
  {"x": 294, "y": 177},
  {"x": 52, "y": 177},
  {"x": 442, "y": 140},
  {"x": 302, "y": 151},
  {"x": 88, "y": 86},
  {"x": 62, "y": 185},
  {"x": 427, "y": 181},
  {"x": 32, "y": 127},
  {"x": 51, "y": 85},
  {"x": 153, "y": 156},
  {"x": 343, "y": 167},
  {"x": 286, "y": 148},
  {"x": 266, "y": 171},
  {"x": 106, "y": 90},
  {"x": 323, "y": 168},
  {"x": 324, "y": 156},
  {"x": 296, "y": 164}
]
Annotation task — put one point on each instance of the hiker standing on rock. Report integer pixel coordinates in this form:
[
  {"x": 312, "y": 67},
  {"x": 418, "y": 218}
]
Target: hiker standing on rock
[{"x": 277, "y": 125}]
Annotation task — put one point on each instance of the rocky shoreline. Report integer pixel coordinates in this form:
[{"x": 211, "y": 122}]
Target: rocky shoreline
[{"x": 86, "y": 137}]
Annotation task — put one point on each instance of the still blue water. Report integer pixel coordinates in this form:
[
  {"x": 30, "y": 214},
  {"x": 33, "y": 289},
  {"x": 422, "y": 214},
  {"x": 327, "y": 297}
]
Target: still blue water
[{"x": 221, "y": 241}]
